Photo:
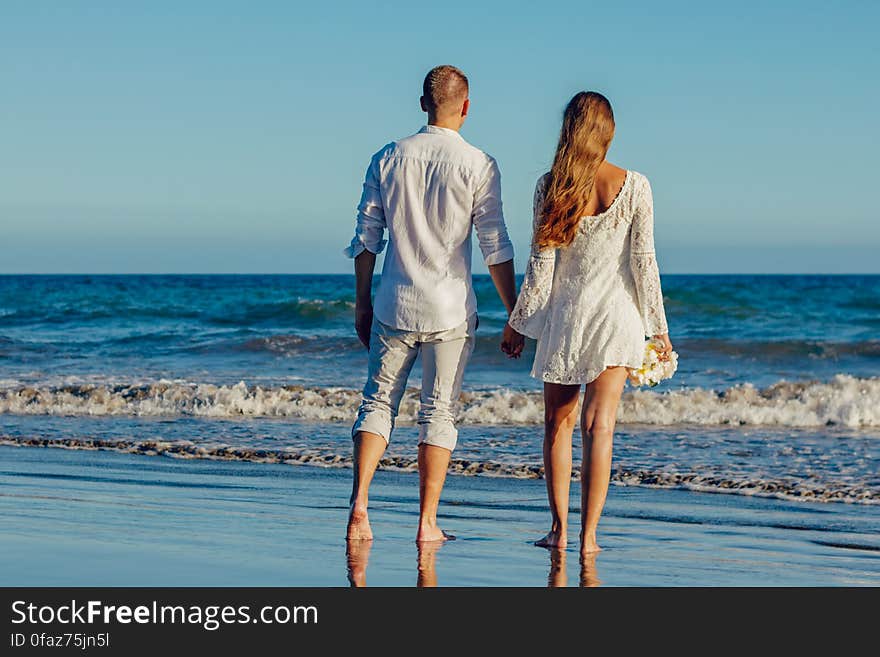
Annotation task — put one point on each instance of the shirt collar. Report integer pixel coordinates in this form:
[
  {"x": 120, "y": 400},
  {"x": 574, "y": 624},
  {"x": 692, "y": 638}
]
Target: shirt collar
[{"x": 437, "y": 130}]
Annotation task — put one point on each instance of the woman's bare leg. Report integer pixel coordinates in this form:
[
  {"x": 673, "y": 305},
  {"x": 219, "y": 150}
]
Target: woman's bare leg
[
  {"x": 560, "y": 414},
  {"x": 598, "y": 417}
]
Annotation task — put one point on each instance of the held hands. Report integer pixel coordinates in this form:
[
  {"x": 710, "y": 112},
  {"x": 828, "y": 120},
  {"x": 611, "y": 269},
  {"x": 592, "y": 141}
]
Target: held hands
[
  {"x": 363, "y": 322},
  {"x": 512, "y": 343},
  {"x": 663, "y": 354}
]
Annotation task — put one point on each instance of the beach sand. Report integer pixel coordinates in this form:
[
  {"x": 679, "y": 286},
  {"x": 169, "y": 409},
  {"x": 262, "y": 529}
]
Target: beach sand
[{"x": 95, "y": 518}]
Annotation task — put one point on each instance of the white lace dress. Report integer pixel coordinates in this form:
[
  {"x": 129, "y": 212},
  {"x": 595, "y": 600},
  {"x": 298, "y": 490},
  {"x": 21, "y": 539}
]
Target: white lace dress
[{"x": 591, "y": 304}]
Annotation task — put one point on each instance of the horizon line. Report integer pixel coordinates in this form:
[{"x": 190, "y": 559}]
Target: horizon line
[{"x": 379, "y": 273}]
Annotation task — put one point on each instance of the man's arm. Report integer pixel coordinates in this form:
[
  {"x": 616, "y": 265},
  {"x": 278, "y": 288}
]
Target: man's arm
[
  {"x": 497, "y": 250},
  {"x": 364, "y": 264},
  {"x": 366, "y": 244},
  {"x": 503, "y": 277},
  {"x": 488, "y": 218}
]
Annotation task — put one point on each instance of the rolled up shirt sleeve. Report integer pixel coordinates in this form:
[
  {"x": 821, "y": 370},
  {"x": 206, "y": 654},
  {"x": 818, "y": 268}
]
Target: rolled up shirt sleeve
[
  {"x": 488, "y": 218},
  {"x": 370, "y": 227}
]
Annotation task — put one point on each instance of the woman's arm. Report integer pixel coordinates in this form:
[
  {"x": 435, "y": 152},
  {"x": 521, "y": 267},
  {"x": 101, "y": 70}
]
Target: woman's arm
[{"x": 530, "y": 313}]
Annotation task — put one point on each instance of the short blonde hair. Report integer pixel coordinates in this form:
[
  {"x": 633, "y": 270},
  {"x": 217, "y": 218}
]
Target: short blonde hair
[{"x": 444, "y": 87}]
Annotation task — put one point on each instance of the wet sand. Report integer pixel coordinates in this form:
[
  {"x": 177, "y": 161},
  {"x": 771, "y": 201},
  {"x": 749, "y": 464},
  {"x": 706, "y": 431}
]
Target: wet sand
[{"x": 96, "y": 518}]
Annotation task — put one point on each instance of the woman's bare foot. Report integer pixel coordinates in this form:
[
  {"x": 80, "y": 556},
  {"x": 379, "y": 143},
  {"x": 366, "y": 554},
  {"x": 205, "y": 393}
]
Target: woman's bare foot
[
  {"x": 428, "y": 534},
  {"x": 359, "y": 524},
  {"x": 589, "y": 545},
  {"x": 555, "y": 538}
]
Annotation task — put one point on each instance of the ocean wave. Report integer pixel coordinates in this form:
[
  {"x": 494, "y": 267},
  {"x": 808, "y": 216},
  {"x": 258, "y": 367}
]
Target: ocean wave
[
  {"x": 294, "y": 345},
  {"x": 312, "y": 311},
  {"x": 782, "y": 488},
  {"x": 82, "y": 313},
  {"x": 844, "y": 400},
  {"x": 309, "y": 334},
  {"x": 791, "y": 349}
]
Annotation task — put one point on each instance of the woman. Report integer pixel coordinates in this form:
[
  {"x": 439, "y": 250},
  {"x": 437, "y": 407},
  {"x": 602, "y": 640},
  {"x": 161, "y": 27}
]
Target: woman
[{"x": 591, "y": 294}]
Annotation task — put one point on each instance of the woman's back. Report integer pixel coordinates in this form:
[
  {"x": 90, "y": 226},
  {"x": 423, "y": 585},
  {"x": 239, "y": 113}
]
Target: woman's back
[
  {"x": 590, "y": 303},
  {"x": 599, "y": 252},
  {"x": 606, "y": 188}
]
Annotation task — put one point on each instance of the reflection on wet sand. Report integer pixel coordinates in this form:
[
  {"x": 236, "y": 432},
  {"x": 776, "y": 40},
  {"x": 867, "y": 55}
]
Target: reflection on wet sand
[
  {"x": 357, "y": 555},
  {"x": 589, "y": 573},
  {"x": 558, "y": 576},
  {"x": 427, "y": 563}
]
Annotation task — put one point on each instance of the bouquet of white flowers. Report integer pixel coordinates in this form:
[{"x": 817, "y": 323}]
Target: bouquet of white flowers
[{"x": 653, "y": 370}]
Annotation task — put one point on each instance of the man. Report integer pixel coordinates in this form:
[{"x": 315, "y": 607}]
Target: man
[{"x": 428, "y": 190}]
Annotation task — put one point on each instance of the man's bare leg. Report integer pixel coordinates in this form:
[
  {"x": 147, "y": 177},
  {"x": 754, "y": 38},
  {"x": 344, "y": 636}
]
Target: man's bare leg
[
  {"x": 368, "y": 449},
  {"x": 433, "y": 463}
]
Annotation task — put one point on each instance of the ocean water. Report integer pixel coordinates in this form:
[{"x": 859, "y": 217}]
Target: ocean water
[{"x": 777, "y": 391}]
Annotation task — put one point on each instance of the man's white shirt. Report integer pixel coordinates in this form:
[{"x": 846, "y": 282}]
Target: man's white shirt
[{"x": 429, "y": 191}]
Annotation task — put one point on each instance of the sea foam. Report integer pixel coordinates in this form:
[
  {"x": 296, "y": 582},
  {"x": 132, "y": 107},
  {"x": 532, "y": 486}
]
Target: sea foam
[
  {"x": 844, "y": 400},
  {"x": 805, "y": 490}
]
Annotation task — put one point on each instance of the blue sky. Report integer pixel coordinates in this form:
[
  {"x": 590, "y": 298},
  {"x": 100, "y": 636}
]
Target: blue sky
[{"x": 233, "y": 136}]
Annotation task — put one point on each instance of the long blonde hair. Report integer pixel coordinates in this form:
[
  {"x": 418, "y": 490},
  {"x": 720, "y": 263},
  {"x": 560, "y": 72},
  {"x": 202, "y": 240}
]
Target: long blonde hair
[{"x": 587, "y": 130}]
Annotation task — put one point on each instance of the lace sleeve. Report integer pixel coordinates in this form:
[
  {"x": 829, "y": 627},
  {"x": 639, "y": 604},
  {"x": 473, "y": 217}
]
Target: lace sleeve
[
  {"x": 530, "y": 313},
  {"x": 643, "y": 262}
]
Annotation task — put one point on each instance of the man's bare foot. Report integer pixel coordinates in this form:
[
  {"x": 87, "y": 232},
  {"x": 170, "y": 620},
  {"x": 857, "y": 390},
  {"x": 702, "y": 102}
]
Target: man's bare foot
[
  {"x": 589, "y": 545},
  {"x": 553, "y": 539},
  {"x": 430, "y": 534},
  {"x": 359, "y": 524}
]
